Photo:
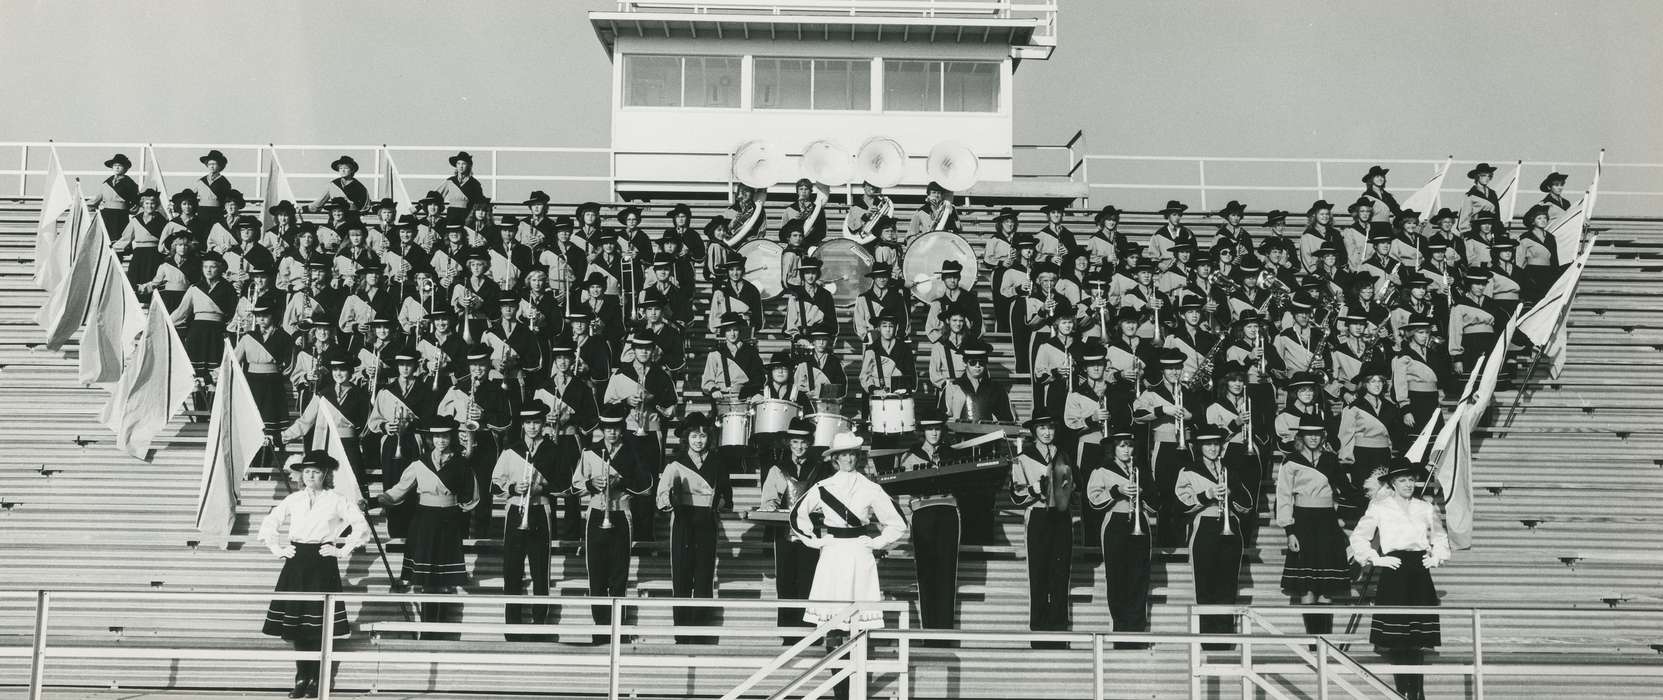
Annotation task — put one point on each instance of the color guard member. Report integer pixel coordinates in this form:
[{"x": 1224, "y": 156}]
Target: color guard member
[{"x": 1412, "y": 543}]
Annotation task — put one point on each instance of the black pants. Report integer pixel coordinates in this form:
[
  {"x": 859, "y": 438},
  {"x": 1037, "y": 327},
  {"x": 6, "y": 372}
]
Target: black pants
[
  {"x": 396, "y": 453},
  {"x": 978, "y": 516},
  {"x": 606, "y": 553},
  {"x": 693, "y": 532},
  {"x": 115, "y": 222},
  {"x": 1050, "y": 536},
  {"x": 1424, "y": 405},
  {"x": 1126, "y": 574},
  {"x": 521, "y": 548},
  {"x": 644, "y": 510},
  {"x": 935, "y": 554},
  {"x": 1217, "y": 561},
  {"x": 793, "y": 575},
  {"x": 483, "y": 460},
  {"x": 1172, "y": 519}
]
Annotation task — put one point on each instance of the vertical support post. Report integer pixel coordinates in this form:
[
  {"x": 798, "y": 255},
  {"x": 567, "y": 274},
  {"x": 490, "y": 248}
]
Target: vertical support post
[
  {"x": 1097, "y": 666},
  {"x": 380, "y": 172},
  {"x": 1201, "y": 168},
  {"x": 23, "y": 170},
  {"x": 326, "y": 675},
  {"x": 617, "y": 650},
  {"x": 1322, "y": 192},
  {"x": 1322, "y": 670},
  {"x": 857, "y": 680},
  {"x": 1195, "y": 656},
  {"x": 260, "y": 176},
  {"x": 495, "y": 155},
  {"x": 904, "y": 654},
  {"x": 37, "y": 658},
  {"x": 1478, "y": 653},
  {"x": 1246, "y": 661}
]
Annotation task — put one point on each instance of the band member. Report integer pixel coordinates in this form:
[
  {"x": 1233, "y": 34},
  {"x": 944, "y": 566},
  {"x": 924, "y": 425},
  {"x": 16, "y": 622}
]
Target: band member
[
  {"x": 1299, "y": 344},
  {"x": 266, "y": 354},
  {"x": 460, "y": 191},
  {"x": 935, "y": 527},
  {"x": 734, "y": 371},
  {"x": 1169, "y": 234},
  {"x": 783, "y": 486},
  {"x": 832, "y": 516},
  {"x": 117, "y": 196},
  {"x": 937, "y": 213},
  {"x": 782, "y": 382},
  {"x": 1412, "y": 543},
  {"x": 822, "y": 375},
  {"x": 1538, "y": 255},
  {"x": 947, "y": 349},
  {"x": 1042, "y": 482},
  {"x": 735, "y": 294},
  {"x": 1117, "y": 489},
  {"x": 206, "y": 306},
  {"x": 525, "y": 474},
  {"x": 215, "y": 187},
  {"x": 1164, "y": 408},
  {"x": 887, "y": 366},
  {"x": 1054, "y": 359},
  {"x": 1211, "y": 491},
  {"x": 694, "y": 490},
  {"x": 479, "y": 405},
  {"x": 1302, "y": 408},
  {"x": 1417, "y": 373},
  {"x": 1102, "y": 247},
  {"x": 1370, "y": 425},
  {"x": 808, "y": 304},
  {"x": 883, "y": 296},
  {"x": 445, "y": 490},
  {"x": 953, "y": 298},
  {"x": 1480, "y": 198},
  {"x": 647, "y": 396},
  {"x": 1553, "y": 187},
  {"x": 1311, "y": 490},
  {"x": 1091, "y": 407},
  {"x": 610, "y": 474},
  {"x": 977, "y": 398},
  {"x": 316, "y": 517},
  {"x": 351, "y": 403}
]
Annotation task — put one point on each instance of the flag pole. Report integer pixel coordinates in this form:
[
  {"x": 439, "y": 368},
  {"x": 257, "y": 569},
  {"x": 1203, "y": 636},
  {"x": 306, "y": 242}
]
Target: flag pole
[{"x": 1518, "y": 391}]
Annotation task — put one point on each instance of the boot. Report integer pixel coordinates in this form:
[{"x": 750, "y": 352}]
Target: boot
[{"x": 299, "y": 680}]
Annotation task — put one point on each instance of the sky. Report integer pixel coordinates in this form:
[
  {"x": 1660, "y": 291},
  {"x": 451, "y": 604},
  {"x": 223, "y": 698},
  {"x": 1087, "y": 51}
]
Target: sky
[{"x": 1545, "y": 81}]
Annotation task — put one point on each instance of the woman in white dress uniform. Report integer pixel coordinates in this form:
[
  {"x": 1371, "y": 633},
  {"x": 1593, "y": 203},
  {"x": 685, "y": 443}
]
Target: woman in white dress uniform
[{"x": 832, "y": 517}]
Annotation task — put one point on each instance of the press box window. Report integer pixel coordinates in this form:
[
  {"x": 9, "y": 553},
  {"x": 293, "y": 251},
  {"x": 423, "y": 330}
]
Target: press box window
[
  {"x": 798, "y": 83},
  {"x": 677, "y": 81},
  {"x": 941, "y": 86}
]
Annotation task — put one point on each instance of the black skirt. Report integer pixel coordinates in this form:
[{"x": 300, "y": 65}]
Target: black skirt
[
  {"x": 142, "y": 266},
  {"x": 271, "y": 397},
  {"x": 300, "y": 620},
  {"x": 1320, "y": 565},
  {"x": 1409, "y": 584},
  {"x": 433, "y": 548}
]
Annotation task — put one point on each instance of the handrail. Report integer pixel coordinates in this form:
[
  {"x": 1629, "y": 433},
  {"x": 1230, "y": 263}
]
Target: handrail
[
  {"x": 1330, "y": 650},
  {"x": 855, "y": 641},
  {"x": 791, "y": 652}
]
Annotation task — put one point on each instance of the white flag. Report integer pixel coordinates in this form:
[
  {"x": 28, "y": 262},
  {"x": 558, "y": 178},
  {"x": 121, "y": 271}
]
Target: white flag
[
  {"x": 1422, "y": 443},
  {"x": 1452, "y": 463},
  {"x": 1491, "y": 368},
  {"x": 66, "y": 308},
  {"x": 236, "y": 432},
  {"x": 396, "y": 188},
  {"x": 153, "y": 178},
  {"x": 58, "y": 199},
  {"x": 114, "y": 324},
  {"x": 277, "y": 190},
  {"x": 330, "y": 422},
  {"x": 156, "y": 384},
  {"x": 1509, "y": 193},
  {"x": 1425, "y": 199},
  {"x": 1539, "y": 323}
]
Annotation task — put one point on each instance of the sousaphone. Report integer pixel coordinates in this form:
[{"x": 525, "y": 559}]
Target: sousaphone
[
  {"x": 953, "y": 165},
  {"x": 758, "y": 164},
  {"x": 881, "y": 161},
  {"x": 827, "y": 163}
]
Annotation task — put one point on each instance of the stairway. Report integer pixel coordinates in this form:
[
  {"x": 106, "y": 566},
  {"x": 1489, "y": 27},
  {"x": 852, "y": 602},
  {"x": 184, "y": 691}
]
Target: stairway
[{"x": 1566, "y": 517}]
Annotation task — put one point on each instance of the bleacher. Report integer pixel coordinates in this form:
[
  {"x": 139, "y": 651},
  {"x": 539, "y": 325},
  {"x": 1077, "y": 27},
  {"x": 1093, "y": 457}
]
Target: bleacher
[{"x": 1566, "y": 517}]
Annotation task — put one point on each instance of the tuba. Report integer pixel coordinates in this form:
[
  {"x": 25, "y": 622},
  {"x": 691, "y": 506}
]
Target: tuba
[
  {"x": 953, "y": 165},
  {"x": 881, "y": 161}
]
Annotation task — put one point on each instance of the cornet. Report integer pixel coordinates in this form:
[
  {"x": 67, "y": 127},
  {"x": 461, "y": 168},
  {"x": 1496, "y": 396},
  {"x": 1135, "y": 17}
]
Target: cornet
[{"x": 525, "y": 491}]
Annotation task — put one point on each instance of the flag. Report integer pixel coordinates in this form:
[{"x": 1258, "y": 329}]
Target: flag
[
  {"x": 396, "y": 188},
  {"x": 1567, "y": 233},
  {"x": 1508, "y": 193},
  {"x": 66, "y": 307},
  {"x": 155, "y": 384},
  {"x": 153, "y": 178},
  {"x": 1425, "y": 199},
  {"x": 58, "y": 199},
  {"x": 335, "y": 430},
  {"x": 277, "y": 190},
  {"x": 1492, "y": 363},
  {"x": 1451, "y": 463},
  {"x": 1593, "y": 187},
  {"x": 1418, "y": 449},
  {"x": 114, "y": 322},
  {"x": 236, "y": 432},
  {"x": 1540, "y": 322}
]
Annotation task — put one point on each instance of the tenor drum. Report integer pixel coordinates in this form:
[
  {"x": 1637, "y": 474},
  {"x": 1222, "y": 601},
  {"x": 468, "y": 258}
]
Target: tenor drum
[
  {"x": 893, "y": 415},
  {"x": 828, "y": 424},
  {"x": 762, "y": 266},
  {"x": 774, "y": 415},
  {"x": 735, "y": 420},
  {"x": 921, "y": 263}
]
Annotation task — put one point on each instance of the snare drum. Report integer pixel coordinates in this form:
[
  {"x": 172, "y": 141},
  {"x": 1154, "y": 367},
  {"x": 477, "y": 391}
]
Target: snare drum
[
  {"x": 828, "y": 424},
  {"x": 893, "y": 415},
  {"x": 774, "y": 415},
  {"x": 734, "y": 417}
]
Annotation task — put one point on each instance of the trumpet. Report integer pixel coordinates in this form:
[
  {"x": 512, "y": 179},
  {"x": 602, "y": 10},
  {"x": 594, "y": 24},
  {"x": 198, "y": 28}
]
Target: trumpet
[
  {"x": 606, "y": 497},
  {"x": 1137, "y": 499},
  {"x": 1224, "y": 506},
  {"x": 525, "y": 491},
  {"x": 1247, "y": 424}
]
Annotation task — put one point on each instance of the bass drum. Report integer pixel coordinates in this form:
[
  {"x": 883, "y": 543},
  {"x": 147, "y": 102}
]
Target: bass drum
[
  {"x": 921, "y": 263},
  {"x": 844, "y": 264},
  {"x": 762, "y": 266}
]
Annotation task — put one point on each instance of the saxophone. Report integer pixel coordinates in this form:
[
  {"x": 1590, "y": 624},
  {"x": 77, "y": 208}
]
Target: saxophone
[{"x": 471, "y": 424}]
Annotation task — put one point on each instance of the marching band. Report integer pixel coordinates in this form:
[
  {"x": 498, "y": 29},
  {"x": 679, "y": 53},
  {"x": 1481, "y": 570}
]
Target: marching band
[{"x": 1183, "y": 389}]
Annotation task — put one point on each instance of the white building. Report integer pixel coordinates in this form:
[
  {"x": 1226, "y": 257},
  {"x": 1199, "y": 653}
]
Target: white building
[{"x": 693, "y": 80}]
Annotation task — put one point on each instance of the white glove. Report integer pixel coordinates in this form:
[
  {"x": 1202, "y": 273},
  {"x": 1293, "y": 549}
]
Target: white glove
[{"x": 1388, "y": 562}]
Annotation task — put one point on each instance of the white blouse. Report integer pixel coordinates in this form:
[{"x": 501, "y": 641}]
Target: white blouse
[
  {"x": 1404, "y": 524},
  {"x": 863, "y": 497},
  {"x": 315, "y": 518}
]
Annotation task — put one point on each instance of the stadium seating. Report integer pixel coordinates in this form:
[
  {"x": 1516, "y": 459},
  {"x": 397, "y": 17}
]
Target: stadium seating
[{"x": 1567, "y": 517}]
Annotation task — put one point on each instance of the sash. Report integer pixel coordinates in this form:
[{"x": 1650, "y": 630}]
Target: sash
[{"x": 837, "y": 506}]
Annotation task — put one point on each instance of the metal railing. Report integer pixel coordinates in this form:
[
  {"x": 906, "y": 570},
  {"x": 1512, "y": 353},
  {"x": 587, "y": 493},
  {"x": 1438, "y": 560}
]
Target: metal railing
[
  {"x": 1292, "y": 183},
  {"x": 1254, "y": 617},
  {"x": 41, "y": 650}
]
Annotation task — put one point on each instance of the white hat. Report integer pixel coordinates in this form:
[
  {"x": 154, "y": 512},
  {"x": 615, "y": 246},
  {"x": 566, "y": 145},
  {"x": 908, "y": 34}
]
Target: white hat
[{"x": 844, "y": 442}]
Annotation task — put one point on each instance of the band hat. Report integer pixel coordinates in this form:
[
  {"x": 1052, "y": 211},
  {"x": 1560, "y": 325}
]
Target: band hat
[
  {"x": 1247, "y": 316},
  {"x": 344, "y": 160},
  {"x": 936, "y": 187},
  {"x": 1005, "y": 213},
  {"x": 316, "y": 264},
  {"x": 479, "y": 353},
  {"x": 1407, "y": 215},
  {"x": 243, "y": 222},
  {"x": 1308, "y": 427},
  {"x": 799, "y": 427},
  {"x": 1041, "y": 416},
  {"x": 386, "y": 203},
  {"x": 1250, "y": 264},
  {"x": 844, "y": 442},
  {"x": 1233, "y": 207},
  {"x": 822, "y": 330},
  {"x": 1503, "y": 244},
  {"x": 537, "y": 197},
  {"x": 535, "y": 411},
  {"x": 1481, "y": 169},
  {"x": 613, "y": 417},
  {"x": 234, "y": 196},
  {"x": 1535, "y": 211},
  {"x": 432, "y": 197},
  {"x": 782, "y": 358},
  {"x": 1107, "y": 213},
  {"x": 1173, "y": 359},
  {"x": 283, "y": 207},
  {"x": 262, "y": 310},
  {"x": 506, "y": 298},
  {"x": 579, "y": 315},
  {"x": 680, "y": 209},
  {"x": 1381, "y": 238},
  {"x": 460, "y": 156},
  {"x": 577, "y": 213},
  {"x": 1371, "y": 369},
  {"x": 951, "y": 268},
  {"x": 213, "y": 155},
  {"x": 438, "y": 315},
  {"x": 562, "y": 347},
  {"x": 1300, "y": 379},
  {"x": 1207, "y": 435},
  {"x": 186, "y": 195},
  {"x": 1479, "y": 275},
  {"x": 643, "y": 339},
  {"x": 383, "y": 321},
  {"x": 340, "y": 362},
  {"x": 1359, "y": 204},
  {"x": 880, "y": 270},
  {"x": 1319, "y": 205},
  {"x": 1127, "y": 314},
  {"x": 626, "y": 211},
  {"x": 1049, "y": 207},
  {"x": 440, "y": 425},
  {"x": 1025, "y": 242},
  {"x": 406, "y": 357},
  {"x": 1418, "y": 322},
  {"x": 888, "y": 316},
  {"x": 931, "y": 418},
  {"x": 150, "y": 192},
  {"x": 697, "y": 420},
  {"x": 1119, "y": 433},
  {"x": 1376, "y": 170},
  {"x": 975, "y": 355},
  {"x": 730, "y": 319},
  {"x": 118, "y": 159},
  {"x": 1435, "y": 245},
  {"x": 651, "y": 298},
  {"x": 1553, "y": 178},
  {"x": 1400, "y": 466},
  {"x": 1277, "y": 216},
  {"x": 1443, "y": 213},
  {"x": 1093, "y": 353},
  {"x": 809, "y": 264},
  {"x": 595, "y": 279},
  {"x": 1174, "y": 206},
  {"x": 315, "y": 459}
]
